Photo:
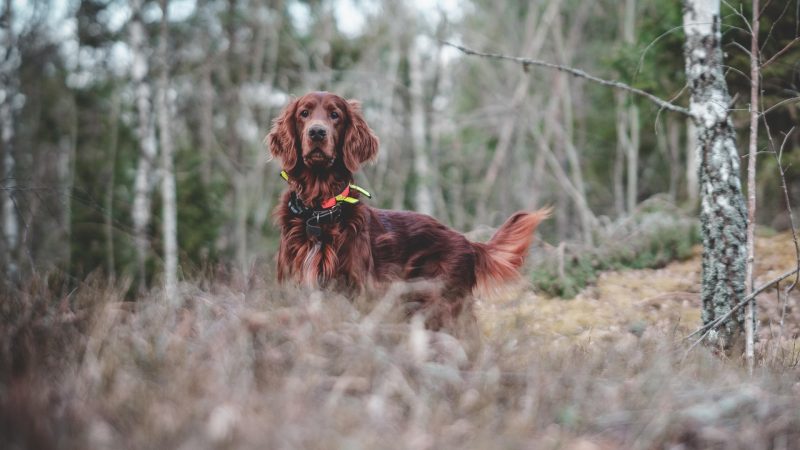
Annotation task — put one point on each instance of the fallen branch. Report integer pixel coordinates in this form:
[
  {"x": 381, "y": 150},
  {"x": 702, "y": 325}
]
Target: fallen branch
[
  {"x": 708, "y": 327},
  {"x": 526, "y": 62}
]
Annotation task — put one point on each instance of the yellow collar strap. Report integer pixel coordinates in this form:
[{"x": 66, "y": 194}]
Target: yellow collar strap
[{"x": 343, "y": 197}]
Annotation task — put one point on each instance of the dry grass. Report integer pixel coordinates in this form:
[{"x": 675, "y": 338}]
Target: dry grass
[{"x": 241, "y": 363}]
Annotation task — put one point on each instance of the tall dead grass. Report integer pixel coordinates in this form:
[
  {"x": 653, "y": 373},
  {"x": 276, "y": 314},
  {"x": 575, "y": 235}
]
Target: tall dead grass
[{"x": 242, "y": 363}]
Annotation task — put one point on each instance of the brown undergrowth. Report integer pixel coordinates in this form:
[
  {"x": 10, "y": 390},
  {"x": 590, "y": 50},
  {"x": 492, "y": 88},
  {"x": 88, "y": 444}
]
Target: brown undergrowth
[{"x": 241, "y": 363}]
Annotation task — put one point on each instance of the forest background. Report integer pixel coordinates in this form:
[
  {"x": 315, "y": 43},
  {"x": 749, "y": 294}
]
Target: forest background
[{"x": 465, "y": 139}]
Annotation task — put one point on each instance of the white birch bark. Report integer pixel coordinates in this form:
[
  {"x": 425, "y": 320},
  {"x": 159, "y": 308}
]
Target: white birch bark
[
  {"x": 628, "y": 129},
  {"x": 388, "y": 147},
  {"x": 633, "y": 158},
  {"x": 722, "y": 215},
  {"x": 634, "y": 128},
  {"x": 10, "y": 218},
  {"x": 8, "y": 67},
  {"x": 66, "y": 171},
  {"x": 147, "y": 141},
  {"x": 169, "y": 211},
  {"x": 423, "y": 198}
]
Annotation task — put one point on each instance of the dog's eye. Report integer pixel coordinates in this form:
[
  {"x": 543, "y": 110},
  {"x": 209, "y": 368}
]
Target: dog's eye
[
  {"x": 304, "y": 113},
  {"x": 334, "y": 115}
]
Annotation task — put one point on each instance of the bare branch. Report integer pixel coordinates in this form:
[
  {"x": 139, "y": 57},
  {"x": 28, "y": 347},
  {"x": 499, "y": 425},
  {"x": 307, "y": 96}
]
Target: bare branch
[
  {"x": 778, "y": 157},
  {"x": 780, "y": 52},
  {"x": 526, "y": 62},
  {"x": 781, "y": 103},
  {"x": 774, "y": 23},
  {"x": 739, "y": 13},
  {"x": 711, "y": 325},
  {"x": 740, "y": 47}
]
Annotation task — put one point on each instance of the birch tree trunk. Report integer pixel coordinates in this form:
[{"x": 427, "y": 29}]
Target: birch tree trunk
[
  {"x": 8, "y": 67},
  {"x": 634, "y": 129},
  {"x": 423, "y": 198},
  {"x": 169, "y": 211},
  {"x": 66, "y": 178},
  {"x": 722, "y": 216},
  {"x": 628, "y": 130},
  {"x": 147, "y": 141},
  {"x": 10, "y": 218},
  {"x": 109, "y": 196}
]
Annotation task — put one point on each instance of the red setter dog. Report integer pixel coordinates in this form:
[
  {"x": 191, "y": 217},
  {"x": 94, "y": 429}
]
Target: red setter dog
[{"x": 329, "y": 237}]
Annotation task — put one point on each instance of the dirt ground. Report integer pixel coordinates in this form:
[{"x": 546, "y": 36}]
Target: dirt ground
[{"x": 639, "y": 300}]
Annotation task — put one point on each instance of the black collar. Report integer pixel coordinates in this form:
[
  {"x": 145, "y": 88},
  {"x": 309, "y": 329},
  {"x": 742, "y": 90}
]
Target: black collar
[
  {"x": 330, "y": 210},
  {"x": 314, "y": 217}
]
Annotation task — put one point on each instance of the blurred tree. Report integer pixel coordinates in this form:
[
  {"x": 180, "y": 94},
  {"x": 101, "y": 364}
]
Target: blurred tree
[
  {"x": 9, "y": 106},
  {"x": 169, "y": 213},
  {"x": 143, "y": 184}
]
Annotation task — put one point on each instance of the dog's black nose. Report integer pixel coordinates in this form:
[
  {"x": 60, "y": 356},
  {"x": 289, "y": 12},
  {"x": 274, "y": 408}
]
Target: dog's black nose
[{"x": 317, "y": 133}]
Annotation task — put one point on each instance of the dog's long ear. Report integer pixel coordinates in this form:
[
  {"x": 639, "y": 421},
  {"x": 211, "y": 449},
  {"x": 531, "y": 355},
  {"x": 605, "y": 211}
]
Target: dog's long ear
[
  {"x": 360, "y": 143},
  {"x": 282, "y": 139}
]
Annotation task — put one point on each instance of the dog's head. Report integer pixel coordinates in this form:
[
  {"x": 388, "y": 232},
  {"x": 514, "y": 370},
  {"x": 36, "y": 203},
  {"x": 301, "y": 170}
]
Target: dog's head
[{"x": 322, "y": 131}]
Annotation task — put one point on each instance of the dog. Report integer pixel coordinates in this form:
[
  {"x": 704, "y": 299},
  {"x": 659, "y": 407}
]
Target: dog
[{"x": 330, "y": 237}]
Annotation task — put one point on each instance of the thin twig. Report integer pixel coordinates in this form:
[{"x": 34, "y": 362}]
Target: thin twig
[
  {"x": 778, "y": 157},
  {"x": 780, "y": 52},
  {"x": 740, "y": 14},
  {"x": 674, "y": 97},
  {"x": 526, "y": 62},
  {"x": 780, "y": 103},
  {"x": 774, "y": 23},
  {"x": 740, "y": 47}
]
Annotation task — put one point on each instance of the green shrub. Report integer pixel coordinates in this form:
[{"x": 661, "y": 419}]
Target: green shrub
[{"x": 656, "y": 234}]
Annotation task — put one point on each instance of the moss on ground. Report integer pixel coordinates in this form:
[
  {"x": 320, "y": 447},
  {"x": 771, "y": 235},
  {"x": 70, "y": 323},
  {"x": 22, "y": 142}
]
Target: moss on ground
[{"x": 650, "y": 239}]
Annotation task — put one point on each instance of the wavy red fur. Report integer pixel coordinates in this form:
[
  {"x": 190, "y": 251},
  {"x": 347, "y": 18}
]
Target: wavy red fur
[{"x": 369, "y": 246}]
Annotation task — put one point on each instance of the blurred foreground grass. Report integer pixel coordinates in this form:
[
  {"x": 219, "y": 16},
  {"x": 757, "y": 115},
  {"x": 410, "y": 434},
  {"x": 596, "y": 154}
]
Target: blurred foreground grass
[{"x": 241, "y": 363}]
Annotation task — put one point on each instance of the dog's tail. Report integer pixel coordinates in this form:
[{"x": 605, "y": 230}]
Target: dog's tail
[{"x": 498, "y": 260}]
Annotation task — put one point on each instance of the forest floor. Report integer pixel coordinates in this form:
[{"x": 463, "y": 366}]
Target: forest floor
[{"x": 667, "y": 299}]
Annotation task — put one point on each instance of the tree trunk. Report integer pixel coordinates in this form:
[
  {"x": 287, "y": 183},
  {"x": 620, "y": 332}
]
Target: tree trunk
[
  {"x": 147, "y": 142},
  {"x": 8, "y": 65},
  {"x": 692, "y": 165},
  {"x": 628, "y": 129},
  {"x": 633, "y": 158},
  {"x": 674, "y": 148},
  {"x": 109, "y": 199},
  {"x": 66, "y": 178},
  {"x": 10, "y": 217},
  {"x": 722, "y": 215},
  {"x": 423, "y": 198},
  {"x": 750, "y": 308},
  {"x": 621, "y": 151},
  {"x": 629, "y": 28},
  {"x": 169, "y": 211}
]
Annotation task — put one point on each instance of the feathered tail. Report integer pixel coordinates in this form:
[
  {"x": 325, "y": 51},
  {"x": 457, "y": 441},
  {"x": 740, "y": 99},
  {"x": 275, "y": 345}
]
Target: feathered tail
[{"x": 498, "y": 260}]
